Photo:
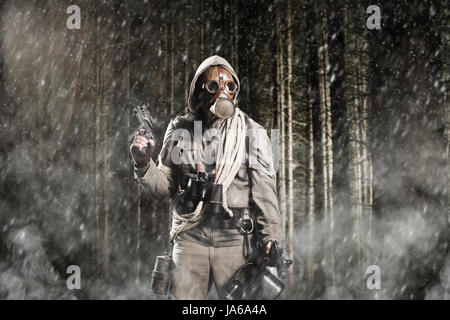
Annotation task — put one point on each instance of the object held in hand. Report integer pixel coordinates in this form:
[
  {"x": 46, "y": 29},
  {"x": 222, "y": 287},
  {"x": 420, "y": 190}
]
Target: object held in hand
[
  {"x": 161, "y": 275},
  {"x": 145, "y": 120},
  {"x": 278, "y": 258},
  {"x": 145, "y": 129},
  {"x": 253, "y": 282}
]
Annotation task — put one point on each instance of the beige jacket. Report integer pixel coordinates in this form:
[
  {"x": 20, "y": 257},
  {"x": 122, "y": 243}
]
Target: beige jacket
[{"x": 254, "y": 185}]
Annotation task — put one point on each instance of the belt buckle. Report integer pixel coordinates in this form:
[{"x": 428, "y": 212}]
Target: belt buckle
[{"x": 246, "y": 231}]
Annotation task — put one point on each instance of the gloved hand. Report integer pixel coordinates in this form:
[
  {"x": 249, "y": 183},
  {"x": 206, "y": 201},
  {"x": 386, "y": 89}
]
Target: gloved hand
[
  {"x": 276, "y": 256},
  {"x": 141, "y": 149}
]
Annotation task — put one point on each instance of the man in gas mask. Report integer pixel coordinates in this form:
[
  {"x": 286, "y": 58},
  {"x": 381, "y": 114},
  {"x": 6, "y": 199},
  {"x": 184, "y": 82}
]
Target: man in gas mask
[{"x": 213, "y": 234}]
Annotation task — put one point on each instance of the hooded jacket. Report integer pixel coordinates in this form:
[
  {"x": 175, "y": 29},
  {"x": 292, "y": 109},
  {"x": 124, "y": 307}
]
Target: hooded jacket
[
  {"x": 209, "y": 62},
  {"x": 254, "y": 186}
]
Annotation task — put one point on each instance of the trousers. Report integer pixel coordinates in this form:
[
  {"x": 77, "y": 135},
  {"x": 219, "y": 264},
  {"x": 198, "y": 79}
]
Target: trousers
[{"x": 205, "y": 253}]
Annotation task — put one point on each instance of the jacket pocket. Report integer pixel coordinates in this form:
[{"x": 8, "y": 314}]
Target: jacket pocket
[
  {"x": 262, "y": 164},
  {"x": 262, "y": 161}
]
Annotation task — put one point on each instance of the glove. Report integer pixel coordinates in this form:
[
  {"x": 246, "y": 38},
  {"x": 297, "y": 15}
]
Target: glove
[
  {"x": 277, "y": 257},
  {"x": 142, "y": 149}
]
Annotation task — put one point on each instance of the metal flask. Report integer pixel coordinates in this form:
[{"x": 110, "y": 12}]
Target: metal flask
[
  {"x": 215, "y": 198},
  {"x": 160, "y": 282}
]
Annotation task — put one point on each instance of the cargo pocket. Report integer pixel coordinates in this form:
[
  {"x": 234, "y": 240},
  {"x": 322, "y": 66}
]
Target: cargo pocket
[{"x": 263, "y": 163}]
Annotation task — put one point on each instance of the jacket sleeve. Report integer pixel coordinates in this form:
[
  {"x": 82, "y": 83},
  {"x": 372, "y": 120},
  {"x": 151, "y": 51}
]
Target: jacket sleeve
[
  {"x": 159, "y": 179},
  {"x": 263, "y": 187}
]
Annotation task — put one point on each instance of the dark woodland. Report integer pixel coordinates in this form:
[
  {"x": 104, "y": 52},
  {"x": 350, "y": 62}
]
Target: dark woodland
[{"x": 363, "y": 117}]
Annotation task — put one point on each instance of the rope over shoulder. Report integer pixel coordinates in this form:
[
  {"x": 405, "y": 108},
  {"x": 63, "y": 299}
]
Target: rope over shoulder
[{"x": 230, "y": 155}]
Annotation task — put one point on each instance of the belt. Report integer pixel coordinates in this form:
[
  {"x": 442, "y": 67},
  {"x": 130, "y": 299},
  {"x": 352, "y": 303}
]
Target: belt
[{"x": 241, "y": 220}]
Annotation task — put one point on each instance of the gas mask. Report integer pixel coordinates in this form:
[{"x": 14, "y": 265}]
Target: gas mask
[{"x": 221, "y": 86}]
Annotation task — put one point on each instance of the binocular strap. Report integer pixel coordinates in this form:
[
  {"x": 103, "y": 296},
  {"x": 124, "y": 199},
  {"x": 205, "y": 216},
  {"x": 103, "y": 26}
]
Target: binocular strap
[{"x": 247, "y": 249}]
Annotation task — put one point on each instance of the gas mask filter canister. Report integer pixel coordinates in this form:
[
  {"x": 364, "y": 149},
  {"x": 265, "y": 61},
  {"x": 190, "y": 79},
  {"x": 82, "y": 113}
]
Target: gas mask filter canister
[{"x": 223, "y": 107}]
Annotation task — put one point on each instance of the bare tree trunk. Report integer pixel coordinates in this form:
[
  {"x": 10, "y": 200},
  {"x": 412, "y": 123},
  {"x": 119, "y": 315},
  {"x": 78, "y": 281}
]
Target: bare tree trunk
[
  {"x": 98, "y": 195},
  {"x": 186, "y": 79},
  {"x": 202, "y": 31},
  {"x": 172, "y": 68},
  {"x": 355, "y": 151},
  {"x": 132, "y": 188},
  {"x": 358, "y": 106},
  {"x": 166, "y": 60},
  {"x": 314, "y": 136},
  {"x": 51, "y": 122},
  {"x": 366, "y": 162},
  {"x": 138, "y": 240},
  {"x": 105, "y": 128},
  {"x": 40, "y": 117},
  {"x": 161, "y": 43},
  {"x": 311, "y": 191},
  {"x": 104, "y": 147},
  {"x": 290, "y": 167},
  {"x": 281, "y": 120},
  {"x": 326, "y": 134},
  {"x": 323, "y": 88},
  {"x": 52, "y": 89},
  {"x": 445, "y": 36},
  {"x": 74, "y": 88},
  {"x": 187, "y": 33},
  {"x": 236, "y": 37}
]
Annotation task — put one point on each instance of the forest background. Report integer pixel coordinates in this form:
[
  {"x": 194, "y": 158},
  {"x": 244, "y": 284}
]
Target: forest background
[{"x": 363, "y": 117}]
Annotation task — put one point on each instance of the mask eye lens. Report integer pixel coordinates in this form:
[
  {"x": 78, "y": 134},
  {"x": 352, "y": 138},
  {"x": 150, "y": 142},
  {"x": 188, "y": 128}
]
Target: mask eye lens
[
  {"x": 212, "y": 86},
  {"x": 231, "y": 86}
]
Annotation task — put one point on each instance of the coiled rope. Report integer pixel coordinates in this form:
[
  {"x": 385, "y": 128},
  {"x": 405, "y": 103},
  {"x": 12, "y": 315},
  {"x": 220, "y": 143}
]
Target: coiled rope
[{"x": 230, "y": 155}]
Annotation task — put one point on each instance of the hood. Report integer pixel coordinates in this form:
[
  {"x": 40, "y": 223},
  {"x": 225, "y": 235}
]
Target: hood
[{"x": 209, "y": 62}]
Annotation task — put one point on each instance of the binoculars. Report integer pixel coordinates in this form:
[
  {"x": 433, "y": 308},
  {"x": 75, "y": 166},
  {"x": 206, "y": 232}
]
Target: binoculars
[{"x": 203, "y": 188}]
